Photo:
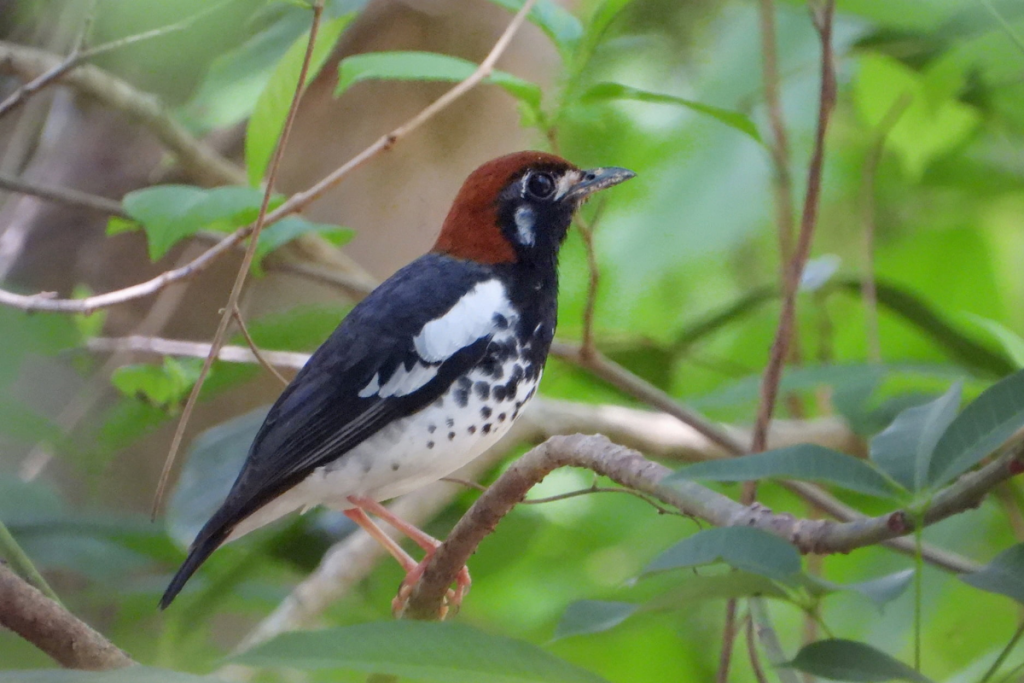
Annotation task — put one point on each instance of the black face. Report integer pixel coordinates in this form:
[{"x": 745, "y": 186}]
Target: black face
[{"x": 535, "y": 211}]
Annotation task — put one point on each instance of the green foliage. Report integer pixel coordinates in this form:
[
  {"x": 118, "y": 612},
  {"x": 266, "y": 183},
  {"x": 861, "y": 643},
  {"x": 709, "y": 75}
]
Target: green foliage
[
  {"x": 427, "y": 66},
  {"x": 166, "y": 386},
  {"x": 744, "y": 548},
  {"x": 271, "y": 109},
  {"x": 452, "y": 653},
  {"x": 804, "y": 461},
  {"x": 1003, "y": 575},
  {"x": 848, "y": 660}
]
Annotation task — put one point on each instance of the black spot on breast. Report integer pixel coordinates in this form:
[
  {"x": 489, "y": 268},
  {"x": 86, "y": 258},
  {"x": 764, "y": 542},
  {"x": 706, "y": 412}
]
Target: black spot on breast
[
  {"x": 486, "y": 429},
  {"x": 465, "y": 383},
  {"x": 485, "y": 412},
  {"x": 450, "y": 422},
  {"x": 432, "y": 428},
  {"x": 472, "y": 429},
  {"x": 451, "y": 436},
  {"x": 501, "y": 417},
  {"x": 498, "y": 392},
  {"x": 430, "y": 444},
  {"x": 512, "y": 387},
  {"x": 500, "y": 321},
  {"x": 461, "y": 397},
  {"x": 394, "y": 466},
  {"x": 483, "y": 390}
]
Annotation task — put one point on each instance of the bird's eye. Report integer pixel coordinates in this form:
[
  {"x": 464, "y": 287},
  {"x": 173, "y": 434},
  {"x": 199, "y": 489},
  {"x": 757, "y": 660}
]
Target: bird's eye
[{"x": 540, "y": 185}]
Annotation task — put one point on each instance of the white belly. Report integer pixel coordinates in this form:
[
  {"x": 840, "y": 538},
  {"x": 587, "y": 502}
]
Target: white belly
[{"x": 409, "y": 453}]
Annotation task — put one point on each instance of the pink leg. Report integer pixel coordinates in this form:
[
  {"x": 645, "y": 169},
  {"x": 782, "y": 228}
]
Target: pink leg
[
  {"x": 421, "y": 538},
  {"x": 370, "y": 527}
]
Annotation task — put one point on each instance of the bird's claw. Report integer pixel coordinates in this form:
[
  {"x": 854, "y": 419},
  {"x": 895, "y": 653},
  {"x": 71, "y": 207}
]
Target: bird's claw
[{"x": 452, "y": 599}]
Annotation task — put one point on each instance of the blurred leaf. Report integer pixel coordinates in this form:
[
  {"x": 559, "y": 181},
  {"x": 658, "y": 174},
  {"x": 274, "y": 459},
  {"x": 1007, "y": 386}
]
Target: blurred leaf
[
  {"x": 271, "y": 109},
  {"x": 426, "y": 66},
  {"x": 904, "y": 450},
  {"x": 984, "y": 425},
  {"x": 746, "y": 304},
  {"x": 213, "y": 461},
  {"x": 452, "y": 653},
  {"x": 734, "y": 584},
  {"x": 603, "y": 92},
  {"x": 920, "y": 314},
  {"x": 880, "y": 591},
  {"x": 1003, "y": 575},
  {"x": 1012, "y": 343},
  {"x": 170, "y": 213},
  {"x": 933, "y": 122},
  {"x": 555, "y": 21},
  {"x": 751, "y": 550},
  {"x": 134, "y": 674},
  {"x": 841, "y": 377},
  {"x": 592, "y": 616},
  {"x": 808, "y": 462},
  {"x": 292, "y": 227},
  {"x": 165, "y": 386},
  {"x": 849, "y": 660}
]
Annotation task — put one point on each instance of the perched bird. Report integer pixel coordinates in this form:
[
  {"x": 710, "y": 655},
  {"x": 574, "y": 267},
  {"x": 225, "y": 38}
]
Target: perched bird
[{"x": 424, "y": 374}]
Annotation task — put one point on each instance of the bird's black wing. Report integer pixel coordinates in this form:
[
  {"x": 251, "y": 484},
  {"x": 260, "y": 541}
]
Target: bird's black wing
[{"x": 330, "y": 407}]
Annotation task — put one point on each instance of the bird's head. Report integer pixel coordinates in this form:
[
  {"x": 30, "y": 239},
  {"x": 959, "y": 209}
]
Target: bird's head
[{"x": 517, "y": 208}]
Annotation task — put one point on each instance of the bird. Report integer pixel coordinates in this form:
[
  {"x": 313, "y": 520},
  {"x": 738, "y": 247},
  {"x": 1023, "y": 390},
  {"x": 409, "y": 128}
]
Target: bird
[{"x": 425, "y": 373}]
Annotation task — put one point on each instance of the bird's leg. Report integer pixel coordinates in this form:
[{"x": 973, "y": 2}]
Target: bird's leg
[{"x": 424, "y": 540}]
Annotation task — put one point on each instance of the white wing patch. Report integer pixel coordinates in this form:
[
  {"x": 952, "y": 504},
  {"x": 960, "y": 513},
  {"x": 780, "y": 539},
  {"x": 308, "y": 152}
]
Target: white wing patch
[
  {"x": 372, "y": 388},
  {"x": 471, "y": 318},
  {"x": 404, "y": 382}
]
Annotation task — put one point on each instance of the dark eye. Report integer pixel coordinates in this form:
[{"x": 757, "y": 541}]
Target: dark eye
[{"x": 540, "y": 185}]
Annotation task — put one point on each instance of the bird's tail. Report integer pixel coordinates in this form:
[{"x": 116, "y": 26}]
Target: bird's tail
[{"x": 201, "y": 549}]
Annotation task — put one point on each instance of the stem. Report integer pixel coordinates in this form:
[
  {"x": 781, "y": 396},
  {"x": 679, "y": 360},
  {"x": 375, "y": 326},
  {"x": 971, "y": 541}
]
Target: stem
[
  {"x": 1004, "y": 654},
  {"x": 918, "y": 589},
  {"x": 21, "y": 563}
]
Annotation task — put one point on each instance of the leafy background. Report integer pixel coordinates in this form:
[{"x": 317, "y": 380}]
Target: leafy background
[{"x": 689, "y": 271}]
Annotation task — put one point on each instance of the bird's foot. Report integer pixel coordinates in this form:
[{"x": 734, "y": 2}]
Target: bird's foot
[{"x": 453, "y": 596}]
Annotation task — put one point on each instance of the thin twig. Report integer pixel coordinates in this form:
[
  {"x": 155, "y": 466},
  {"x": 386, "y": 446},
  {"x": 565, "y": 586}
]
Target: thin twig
[
  {"x": 784, "y": 333},
  {"x": 237, "y": 314},
  {"x": 64, "y": 195},
  {"x": 78, "y": 55},
  {"x": 572, "y": 494},
  {"x": 728, "y": 639},
  {"x": 752, "y": 653},
  {"x": 243, "y": 270},
  {"x": 867, "y": 201},
  {"x": 770, "y": 640}
]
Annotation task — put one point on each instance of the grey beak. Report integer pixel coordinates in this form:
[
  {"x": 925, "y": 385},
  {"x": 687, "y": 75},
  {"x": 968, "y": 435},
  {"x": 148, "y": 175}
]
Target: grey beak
[{"x": 598, "y": 179}]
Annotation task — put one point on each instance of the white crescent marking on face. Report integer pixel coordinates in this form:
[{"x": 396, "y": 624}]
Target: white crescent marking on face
[
  {"x": 524, "y": 225},
  {"x": 566, "y": 182},
  {"x": 470, "y": 319}
]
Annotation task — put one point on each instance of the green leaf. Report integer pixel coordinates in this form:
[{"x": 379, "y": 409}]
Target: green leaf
[
  {"x": 134, "y": 674},
  {"x": 1012, "y": 343},
  {"x": 271, "y": 110},
  {"x": 808, "y": 462},
  {"x": 980, "y": 429},
  {"x": 426, "y": 66},
  {"x": 880, "y": 591},
  {"x": 744, "y": 548},
  {"x": 616, "y": 91},
  {"x": 164, "y": 386},
  {"x": 592, "y": 616},
  {"x": 1003, "y": 575},
  {"x": 849, "y": 660},
  {"x": 555, "y": 21},
  {"x": 734, "y": 584},
  {"x": 452, "y": 653},
  {"x": 170, "y": 213},
  {"x": 904, "y": 450},
  {"x": 213, "y": 462},
  {"x": 292, "y": 227}
]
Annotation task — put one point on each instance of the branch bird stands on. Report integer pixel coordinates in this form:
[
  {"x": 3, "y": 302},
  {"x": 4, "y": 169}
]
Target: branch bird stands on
[{"x": 426, "y": 373}]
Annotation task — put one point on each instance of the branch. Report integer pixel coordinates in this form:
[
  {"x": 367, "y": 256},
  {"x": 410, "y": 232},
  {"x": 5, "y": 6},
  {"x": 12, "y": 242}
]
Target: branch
[
  {"x": 93, "y": 81},
  {"x": 68, "y": 640},
  {"x": 628, "y": 468},
  {"x": 200, "y": 160},
  {"x": 63, "y": 195},
  {"x": 791, "y": 283},
  {"x": 664, "y": 435}
]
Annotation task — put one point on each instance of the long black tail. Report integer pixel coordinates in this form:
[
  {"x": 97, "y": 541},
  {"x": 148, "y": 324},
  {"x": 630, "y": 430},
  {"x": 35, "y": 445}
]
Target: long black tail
[{"x": 201, "y": 549}]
